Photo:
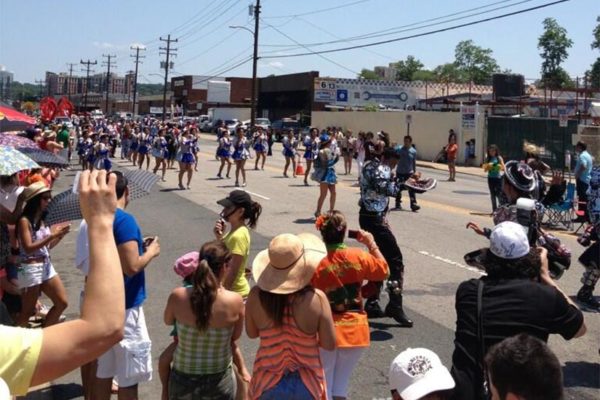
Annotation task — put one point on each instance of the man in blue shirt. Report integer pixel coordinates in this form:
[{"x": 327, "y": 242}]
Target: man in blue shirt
[
  {"x": 583, "y": 169},
  {"x": 129, "y": 362},
  {"x": 407, "y": 165}
]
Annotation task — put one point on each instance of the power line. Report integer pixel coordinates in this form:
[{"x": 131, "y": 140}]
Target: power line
[
  {"x": 210, "y": 48},
  {"x": 70, "y": 65},
  {"x": 415, "y": 25},
  {"x": 108, "y": 63},
  {"x": 420, "y": 34},
  {"x": 318, "y": 11},
  {"x": 135, "y": 77},
  {"x": 218, "y": 14},
  {"x": 87, "y": 70},
  {"x": 213, "y": 32},
  {"x": 315, "y": 53}
]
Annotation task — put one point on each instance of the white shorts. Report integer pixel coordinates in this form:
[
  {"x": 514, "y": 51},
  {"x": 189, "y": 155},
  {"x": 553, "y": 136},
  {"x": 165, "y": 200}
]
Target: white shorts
[
  {"x": 29, "y": 275},
  {"x": 338, "y": 365},
  {"x": 129, "y": 362}
]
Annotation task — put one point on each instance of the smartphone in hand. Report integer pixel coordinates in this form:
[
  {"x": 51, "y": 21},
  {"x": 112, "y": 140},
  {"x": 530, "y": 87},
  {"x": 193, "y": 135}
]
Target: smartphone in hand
[{"x": 352, "y": 234}]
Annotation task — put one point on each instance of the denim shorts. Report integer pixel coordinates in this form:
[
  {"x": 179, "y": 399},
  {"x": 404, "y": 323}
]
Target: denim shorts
[
  {"x": 289, "y": 387},
  {"x": 220, "y": 386}
]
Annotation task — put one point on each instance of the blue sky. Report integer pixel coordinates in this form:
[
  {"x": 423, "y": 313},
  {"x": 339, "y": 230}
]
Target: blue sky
[{"x": 41, "y": 35}]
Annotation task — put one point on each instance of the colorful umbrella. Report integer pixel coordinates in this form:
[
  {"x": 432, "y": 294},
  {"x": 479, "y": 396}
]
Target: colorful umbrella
[
  {"x": 7, "y": 139},
  {"x": 13, "y": 161},
  {"x": 65, "y": 207},
  {"x": 44, "y": 157},
  {"x": 14, "y": 115}
]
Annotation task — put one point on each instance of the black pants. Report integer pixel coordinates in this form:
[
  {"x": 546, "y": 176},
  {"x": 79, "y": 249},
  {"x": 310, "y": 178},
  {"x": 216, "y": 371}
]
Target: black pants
[
  {"x": 401, "y": 178},
  {"x": 495, "y": 186},
  {"x": 582, "y": 188},
  {"x": 386, "y": 241}
]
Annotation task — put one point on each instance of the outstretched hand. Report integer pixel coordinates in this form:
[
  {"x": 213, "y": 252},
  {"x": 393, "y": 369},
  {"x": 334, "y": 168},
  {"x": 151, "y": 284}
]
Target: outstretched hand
[{"x": 476, "y": 228}]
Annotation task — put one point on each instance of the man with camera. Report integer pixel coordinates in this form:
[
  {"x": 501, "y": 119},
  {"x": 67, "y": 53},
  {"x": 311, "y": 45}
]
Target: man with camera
[{"x": 517, "y": 296}]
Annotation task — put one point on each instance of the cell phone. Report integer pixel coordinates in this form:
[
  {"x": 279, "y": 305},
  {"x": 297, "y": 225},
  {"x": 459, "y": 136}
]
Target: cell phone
[
  {"x": 352, "y": 234},
  {"x": 148, "y": 241}
]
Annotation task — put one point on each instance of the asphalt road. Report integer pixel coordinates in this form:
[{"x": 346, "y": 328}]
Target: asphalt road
[{"x": 433, "y": 242}]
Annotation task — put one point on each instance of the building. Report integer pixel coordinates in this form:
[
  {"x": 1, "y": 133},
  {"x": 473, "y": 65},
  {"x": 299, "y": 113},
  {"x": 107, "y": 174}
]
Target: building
[
  {"x": 6, "y": 79},
  {"x": 62, "y": 85},
  {"x": 386, "y": 73}
]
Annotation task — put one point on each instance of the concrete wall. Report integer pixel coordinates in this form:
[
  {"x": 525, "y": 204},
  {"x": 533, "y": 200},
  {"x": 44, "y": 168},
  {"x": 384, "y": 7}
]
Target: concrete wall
[{"x": 428, "y": 129}]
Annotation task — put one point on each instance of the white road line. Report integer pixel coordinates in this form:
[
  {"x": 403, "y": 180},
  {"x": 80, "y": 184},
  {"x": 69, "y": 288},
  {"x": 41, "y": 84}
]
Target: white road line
[
  {"x": 447, "y": 261},
  {"x": 257, "y": 195}
]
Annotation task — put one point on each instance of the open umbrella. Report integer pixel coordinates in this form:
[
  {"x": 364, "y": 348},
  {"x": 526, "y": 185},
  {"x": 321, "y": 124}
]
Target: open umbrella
[
  {"x": 13, "y": 120},
  {"x": 7, "y": 139},
  {"x": 65, "y": 207},
  {"x": 13, "y": 161},
  {"x": 44, "y": 157}
]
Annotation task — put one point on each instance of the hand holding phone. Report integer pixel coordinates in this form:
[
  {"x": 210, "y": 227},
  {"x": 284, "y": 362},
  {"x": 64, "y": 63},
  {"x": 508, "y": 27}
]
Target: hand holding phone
[{"x": 352, "y": 234}]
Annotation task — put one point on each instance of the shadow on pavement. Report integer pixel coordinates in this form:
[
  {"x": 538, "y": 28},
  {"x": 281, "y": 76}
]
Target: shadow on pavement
[
  {"x": 304, "y": 221},
  {"x": 63, "y": 391},
  {"x": 582, "y": 374},
  {"x": 470, "y": 192}
]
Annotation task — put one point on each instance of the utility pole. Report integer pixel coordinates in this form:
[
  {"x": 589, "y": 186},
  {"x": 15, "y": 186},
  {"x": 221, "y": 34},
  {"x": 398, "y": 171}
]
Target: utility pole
[
  {"x": 87, "y": 70},
  {"x": 168, "y": 51},
  {"x": 41, "y": 83},
  {"x": 70, "y": 65},
  {"x": 137, "y": 61},
  {"x": 254, "y": 89},
  {"x": 108, "y": 63}
]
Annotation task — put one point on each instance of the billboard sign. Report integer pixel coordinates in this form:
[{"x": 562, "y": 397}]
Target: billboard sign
[{"x": 360, "y": 92}]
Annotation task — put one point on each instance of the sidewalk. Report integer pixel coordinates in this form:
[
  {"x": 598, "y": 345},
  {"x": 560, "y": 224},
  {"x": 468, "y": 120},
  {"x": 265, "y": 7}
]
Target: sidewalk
[{"x": 475, "y": 171}]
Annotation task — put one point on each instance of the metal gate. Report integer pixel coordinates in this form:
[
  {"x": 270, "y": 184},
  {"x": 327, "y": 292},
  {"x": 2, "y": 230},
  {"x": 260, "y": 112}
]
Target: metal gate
[{"x": 510, "y": 133}]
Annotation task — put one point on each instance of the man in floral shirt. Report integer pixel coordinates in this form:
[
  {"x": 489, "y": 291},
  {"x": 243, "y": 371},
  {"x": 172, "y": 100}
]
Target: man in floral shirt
[{"x": 376, "y": 186}]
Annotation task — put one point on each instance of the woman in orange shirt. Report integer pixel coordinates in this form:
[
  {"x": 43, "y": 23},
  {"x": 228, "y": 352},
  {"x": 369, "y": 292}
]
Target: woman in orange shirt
[
  {"x": 340, "y": 275},
  {"x": 451, "y": 154}
]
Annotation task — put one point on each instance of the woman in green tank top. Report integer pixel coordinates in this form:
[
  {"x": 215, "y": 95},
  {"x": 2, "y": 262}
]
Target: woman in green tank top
[{"x": 209, "y": 320}]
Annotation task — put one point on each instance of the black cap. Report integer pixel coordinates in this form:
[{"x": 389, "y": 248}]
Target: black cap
[{"x": 237, "y": 198}]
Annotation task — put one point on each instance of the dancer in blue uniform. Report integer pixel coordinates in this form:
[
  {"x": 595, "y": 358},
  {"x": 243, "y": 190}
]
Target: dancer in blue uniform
[
  {"x": 325, "y": 173},
  {"x": 187, "y": 143},
  {"x": 134, "y": 144},
  {"x": 195, "y": 146},
  {"x": 290, "y": 144},
  {"x": 160, "y": 153},
  {"x": 144, "y": 148},
  {"x": 261, "y": 145},
  {"x": 90, "y": 151},
  {"x": 103, "y": 148},
  {"x": 311, "y": 143},
  {"x": 240, "y": 155},
  {"x": 224, "y": 154}
]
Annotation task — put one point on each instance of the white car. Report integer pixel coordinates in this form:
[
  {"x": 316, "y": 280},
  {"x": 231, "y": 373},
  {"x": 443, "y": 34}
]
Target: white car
[{"x": 63, "y": 121}]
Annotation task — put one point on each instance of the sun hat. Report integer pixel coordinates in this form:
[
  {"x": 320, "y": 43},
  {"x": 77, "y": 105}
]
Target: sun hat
[
  {"x": 186, "y": 264},
  {"x": 237, "y": 198},
  {"x": 509, "y": 240},
  {"x": 289, "y": 263},
  {"x": 34, "y": 189},
  {"x": 520, "y": 175},
  {"x": 415, "y": 373},
  {"x": 530, "y": 148}
]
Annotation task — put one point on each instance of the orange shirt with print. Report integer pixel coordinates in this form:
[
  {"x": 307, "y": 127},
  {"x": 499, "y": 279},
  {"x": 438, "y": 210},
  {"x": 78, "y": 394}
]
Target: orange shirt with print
[
  {"x": 452, "y": 151},
  {"x": 340, "y": 275}
]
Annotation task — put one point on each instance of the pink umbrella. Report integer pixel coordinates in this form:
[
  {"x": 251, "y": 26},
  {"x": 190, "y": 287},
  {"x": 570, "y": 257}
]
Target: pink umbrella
[{"x": 7, "y": 139}]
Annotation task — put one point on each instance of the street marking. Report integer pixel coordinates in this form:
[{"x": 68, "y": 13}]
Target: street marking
[
  {"x": 450, "y": 262},
  {"x": 257, "y": 195}
]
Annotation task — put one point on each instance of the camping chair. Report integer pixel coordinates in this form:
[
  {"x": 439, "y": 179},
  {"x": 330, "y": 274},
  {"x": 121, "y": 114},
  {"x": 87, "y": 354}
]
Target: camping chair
[
  {"x": 580, "y": 216},
  {"x": 562, "y": 213}
]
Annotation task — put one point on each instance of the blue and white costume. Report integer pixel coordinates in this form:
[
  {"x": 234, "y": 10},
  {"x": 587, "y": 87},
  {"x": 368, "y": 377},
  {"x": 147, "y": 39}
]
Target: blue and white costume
[
  {"x": 240, "y": 149},
  {"x": 310, "y": 148},
  {"x": 325, "y": 167},
  {"x": 102, "y": 160},
  {"x": 289, "y": 147},
  {"x": 187, "y": 148},
  {"x": 144, "y": 143},
  {"x": 159, "y": 149},
  {"x": 224, "y": 150},
  {"x": 134, "y": 142},
  {"x": 261, "y": 143}
]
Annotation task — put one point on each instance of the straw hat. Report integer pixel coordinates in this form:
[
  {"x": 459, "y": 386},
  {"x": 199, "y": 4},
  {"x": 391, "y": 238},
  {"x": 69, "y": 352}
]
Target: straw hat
[
  {"x": 530, "y": 148},
  {"x": 289, "y": 263},
  {"x": 34, "y": 189}
]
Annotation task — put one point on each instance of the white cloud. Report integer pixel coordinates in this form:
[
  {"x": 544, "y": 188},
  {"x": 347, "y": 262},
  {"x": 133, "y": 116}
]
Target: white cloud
[
  {"x": 276, "y": 64},
  {"x": 140, "y": 45},
  {"x": 110, "y": 46}
]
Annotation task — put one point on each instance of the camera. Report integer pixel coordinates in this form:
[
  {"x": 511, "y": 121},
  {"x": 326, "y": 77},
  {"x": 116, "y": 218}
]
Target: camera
[{"x": 527, "y": 217}]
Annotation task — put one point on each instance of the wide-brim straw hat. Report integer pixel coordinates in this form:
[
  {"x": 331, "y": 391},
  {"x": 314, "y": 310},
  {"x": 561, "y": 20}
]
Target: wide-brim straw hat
[
  {"x": 289, "y": 263},
  {"x": 530, "y": 148},
  {"x": 34, "y": 189}
]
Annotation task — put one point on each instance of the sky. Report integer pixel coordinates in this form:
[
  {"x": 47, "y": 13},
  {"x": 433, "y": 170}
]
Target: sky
[{"x": 44, "y": 35}]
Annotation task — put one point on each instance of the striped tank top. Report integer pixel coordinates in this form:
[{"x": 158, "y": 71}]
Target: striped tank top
[
  {"x": 202, "y": 353},
  {"x": 287, "y": 349}
]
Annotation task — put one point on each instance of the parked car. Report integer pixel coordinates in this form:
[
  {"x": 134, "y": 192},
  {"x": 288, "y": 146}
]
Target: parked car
[
  {"x": 63, "y": 121},
  {"x": 231, "y": 124},
  {"x": 280, "y": 126}
]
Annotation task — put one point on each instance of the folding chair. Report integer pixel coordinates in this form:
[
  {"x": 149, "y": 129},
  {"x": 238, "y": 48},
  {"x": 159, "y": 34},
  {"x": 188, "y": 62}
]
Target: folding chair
[{"x": 562, "y": 213}]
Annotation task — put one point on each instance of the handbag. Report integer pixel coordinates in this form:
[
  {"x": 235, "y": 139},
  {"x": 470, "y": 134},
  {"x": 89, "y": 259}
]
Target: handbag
[{"x": 484, "y": 393}]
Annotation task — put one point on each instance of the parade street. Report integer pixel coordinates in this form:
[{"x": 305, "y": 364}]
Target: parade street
[{"x": 433, "y": 241}]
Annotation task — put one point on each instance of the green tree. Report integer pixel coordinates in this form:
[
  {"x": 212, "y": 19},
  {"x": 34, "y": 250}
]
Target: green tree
[
  {"x": 476, "y": 63},
  {"x": 405, "y": 69},
  {"x": 368, "y": 74},
  {"x": 594, "y": 73},
  {"x": 424, "y": 75},
  {"x": 448, "y": 72},
  {"x": 596, "y": 33},
  {"x": 554, "y": 45}
]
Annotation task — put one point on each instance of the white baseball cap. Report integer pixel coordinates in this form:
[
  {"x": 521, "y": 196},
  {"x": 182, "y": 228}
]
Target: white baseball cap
[
  {"x": 415, "y": 373},
  {"x": 509, "y": 241}
]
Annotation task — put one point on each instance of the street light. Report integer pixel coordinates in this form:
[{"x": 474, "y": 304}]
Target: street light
[{"x": 254, "y": 61}]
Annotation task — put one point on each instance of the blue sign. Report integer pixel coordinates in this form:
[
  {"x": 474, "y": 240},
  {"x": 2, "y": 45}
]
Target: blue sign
[{"x": 342, "y": 95}]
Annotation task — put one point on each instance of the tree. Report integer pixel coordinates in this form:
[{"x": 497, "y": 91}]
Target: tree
[
  {"x": 424, "y": 75},
  {"x": 594, "y": 73},
  {"x": 448, "y": 73},
  {"x": 596, "y": 33},
  {"x": 368, "y": 74},
  {"x": 554, "y": 45},
  {"x": 405, "y": 69},
  {"x": 476, "y": 63}
]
